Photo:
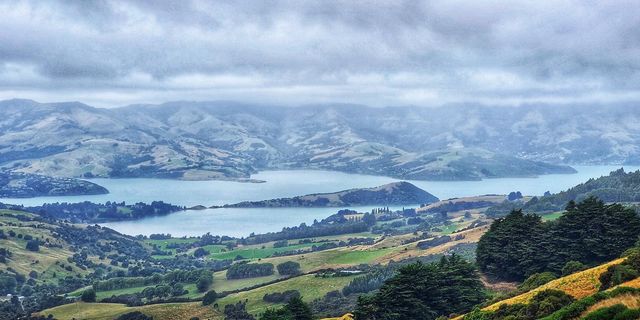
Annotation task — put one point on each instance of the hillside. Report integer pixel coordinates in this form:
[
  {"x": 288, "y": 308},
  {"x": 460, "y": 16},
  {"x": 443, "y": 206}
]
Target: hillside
[
  {"x": 160, "y": 275},
  {"x": 585, "y": 289},
  {"x": 24, "y": 185},
  {"x": 618, "y": 186},
  {"x": 397, "y": 193},
  {"x": 225, "y": 140}
]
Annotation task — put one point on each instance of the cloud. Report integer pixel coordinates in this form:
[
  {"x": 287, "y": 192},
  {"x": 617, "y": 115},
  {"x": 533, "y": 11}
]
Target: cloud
[{"x": 371, "y": 52}]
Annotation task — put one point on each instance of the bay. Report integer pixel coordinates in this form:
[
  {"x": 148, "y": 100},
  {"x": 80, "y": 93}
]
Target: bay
[{"x": 283, "y": 183}]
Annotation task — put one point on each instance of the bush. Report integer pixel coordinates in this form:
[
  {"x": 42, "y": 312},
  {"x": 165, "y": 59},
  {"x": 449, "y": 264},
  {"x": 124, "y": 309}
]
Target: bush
[
  {"x": 572, "y": 267},
  {"x": 200, "y": 252},
  {"x": 88, "y": 295},
  {"x": 536, "y": 280},
  {"x": 289, "y": 268},
  {"x": 281, "y": 297},
  {"x": 616, "y": 275},
  {"x": 281, "y": 244},
  {"x": 204, "y": 282},
  {"x": 33, "y": 245},
  {"x": 209, "y": 298},
  {"x": 135, "y": 315},
  {"x": 607, "y": 313},
  {"x": 249, "y": 270}
]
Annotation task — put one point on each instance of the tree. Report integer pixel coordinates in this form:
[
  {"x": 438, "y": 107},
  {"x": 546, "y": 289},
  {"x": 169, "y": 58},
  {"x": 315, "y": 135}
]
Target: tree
[
  {"x": 298, "y": 309},
  {"x": 209, "y": 298},
  {"x": 589, "y": 232},
  {"x": 425, "y": 291},
  {"x": 200, "y": 252},
  {"x": 88, "y": 295},
  {"x": 508, "y": 250},
  {"x": 8, "y": 284},
  {"x": 288, "y": 268},
  {"x": 204, "y": 282}
]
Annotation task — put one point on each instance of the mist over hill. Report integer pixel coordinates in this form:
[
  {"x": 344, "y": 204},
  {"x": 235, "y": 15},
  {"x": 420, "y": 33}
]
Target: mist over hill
[{"x": 227, "y": 140}]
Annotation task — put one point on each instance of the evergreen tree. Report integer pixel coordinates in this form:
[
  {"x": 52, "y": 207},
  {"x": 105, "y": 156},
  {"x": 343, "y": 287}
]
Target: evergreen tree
[{"x": 298, "y": 309}]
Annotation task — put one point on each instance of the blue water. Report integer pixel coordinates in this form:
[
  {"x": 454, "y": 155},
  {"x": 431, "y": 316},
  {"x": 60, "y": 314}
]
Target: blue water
[{"x": 286, "y": 183}]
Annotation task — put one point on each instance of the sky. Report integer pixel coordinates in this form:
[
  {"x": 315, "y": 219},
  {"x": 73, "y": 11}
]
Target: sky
[{"x": 379, "y": 53}]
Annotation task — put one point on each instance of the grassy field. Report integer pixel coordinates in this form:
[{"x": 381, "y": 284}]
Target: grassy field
[
  {"x": 552, "y": 216},
  {"x": 109, "y": 311},
  {"x": 310, "y": 288},
  {"x": 257, "y": 252},
  {"x": 47, "y": 262}
]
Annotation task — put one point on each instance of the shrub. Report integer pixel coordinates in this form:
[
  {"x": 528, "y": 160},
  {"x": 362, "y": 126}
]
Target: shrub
[
  {"x": 572, "y": 267},
  {"x": 616, "y": 275},
  {"x": 288, "y": 268},
  {"x": 536, "y": 280},
  {"x": 252, "y": 270},
  {"x": 88, "y": 295},
  {"x": 607, "y": 313},
  {"x": 204, "y": 282},
  {"x": 33, "y": 245},
  {"x": 200, "y": 252},
  {"x": 209, "y": 298},
  {"x": 135, "y": 315}
]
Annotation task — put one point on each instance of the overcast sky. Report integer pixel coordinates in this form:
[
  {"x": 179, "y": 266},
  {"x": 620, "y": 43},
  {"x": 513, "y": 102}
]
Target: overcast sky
[{"x": 295, "y": 52}]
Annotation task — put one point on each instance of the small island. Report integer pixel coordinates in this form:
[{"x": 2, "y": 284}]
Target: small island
[
  {"x": 27, "y": 185},
  {"x": 396, "y": 193}
]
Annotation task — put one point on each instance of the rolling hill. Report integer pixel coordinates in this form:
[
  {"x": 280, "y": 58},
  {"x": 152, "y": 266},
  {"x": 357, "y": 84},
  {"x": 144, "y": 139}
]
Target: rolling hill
[{"x": 397, "y": 193}]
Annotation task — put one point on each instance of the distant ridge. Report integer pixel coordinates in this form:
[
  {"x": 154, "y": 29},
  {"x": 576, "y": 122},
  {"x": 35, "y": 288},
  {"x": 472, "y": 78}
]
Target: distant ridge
[{"x": 396, "y": 193}]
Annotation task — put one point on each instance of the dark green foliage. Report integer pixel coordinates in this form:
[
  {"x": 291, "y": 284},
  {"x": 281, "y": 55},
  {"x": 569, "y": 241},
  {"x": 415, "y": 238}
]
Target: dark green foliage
[
  {"x": 209, "y": 298},
  {"x": 289, "y": 268},
  {"x": 298, "y": 309},
  {"x": 276, "y": 314},
  {"x": 204, "y": 282},
  {"x": 536, "y": 280},
  {"x": 425, "y": 291},
  {"x": 370, "y": 281},
  {"x": 509, "y": 249},
  {"x": 135, "y": 315},
  {"x": 98, "y": 212},
  {"x": 589, "y": 232},
  {"x": 575, "y": 309},
  {"x": 618, "y": 186},
  {"x": 607, "y": 313},
  {"x": 281, "y": 244},
  {"x": 544, "y": 303},
  {"x": 572, "y": 267},
  {"x": 88, "y": 295},
  {"x": 629, "y": 314},
  {"x": 616, "y": 275},
  {"x": 249, "y": 270},
  {"x": 237, "y": 311},
  {"x": 7, "y": 284},
  {"x": 33, "y": 245},
  {"x": 200, "y": 252},
  {"x": 281, "y": 297}
]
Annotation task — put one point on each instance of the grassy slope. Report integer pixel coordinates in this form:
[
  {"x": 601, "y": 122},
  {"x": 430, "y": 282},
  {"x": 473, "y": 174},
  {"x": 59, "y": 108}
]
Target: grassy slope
[
  {"x": 310, "y": 287},
  {"x": 577, "y": 285},
  {"x": 109, "y": 311},
  {"x": 43, "y": 261}
]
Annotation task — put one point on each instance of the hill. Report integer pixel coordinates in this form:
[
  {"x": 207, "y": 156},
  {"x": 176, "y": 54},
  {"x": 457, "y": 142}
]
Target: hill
[
  {"x": 24, "y": 185},
  {"x": 397, "y": 193},
  {"x": 618, "y": 186},
  {"x": 225, "y": 140}
]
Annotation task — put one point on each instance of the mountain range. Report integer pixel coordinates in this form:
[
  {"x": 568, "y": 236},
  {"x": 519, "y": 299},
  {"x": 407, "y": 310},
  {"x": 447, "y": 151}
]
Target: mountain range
[{"x": 228, "y": 140}]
